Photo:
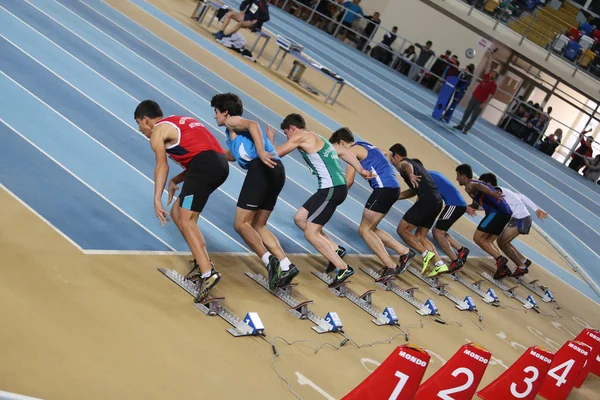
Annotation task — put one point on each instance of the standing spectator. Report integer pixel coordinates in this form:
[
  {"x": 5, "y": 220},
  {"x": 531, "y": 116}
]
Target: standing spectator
[
  {"x": 369, "y": 31},
  {"x": 482, "y": 95},
  {"x": 383, "y": 51},
  {"x": 585, "y": 150},
  {"x": 390, "y": 37},
  {"x": 408, "y": 56},
  {"x": 424, "y": 55},
  {"x": 550, "y": 143},
  {"x": 352, "y": 13},
  {"x": 437, "y": 69}
]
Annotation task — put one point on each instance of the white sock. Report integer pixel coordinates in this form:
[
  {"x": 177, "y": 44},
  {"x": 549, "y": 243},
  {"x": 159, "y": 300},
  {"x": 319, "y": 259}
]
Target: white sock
[
  {"x": 285, "y": 264},
  {"x": 425, "y": 253},
  {"x": 437, "y": 264},
  {"x": 206, "y": 274},
  {"x": 265, "y": 258}
]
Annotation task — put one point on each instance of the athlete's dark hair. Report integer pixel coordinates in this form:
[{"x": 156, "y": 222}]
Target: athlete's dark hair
[
  {"x": 147, "y": 108},
  {"x": 344, "y": 134},
  {"x": 466, "y": 170},
  {"x": 293, "y": 119},
  {"x": 228, "y": 102},
  {"x": 490, "y": 178},
  {"x": 398, "y": 149},
  {"x": 417, "y": 161}
]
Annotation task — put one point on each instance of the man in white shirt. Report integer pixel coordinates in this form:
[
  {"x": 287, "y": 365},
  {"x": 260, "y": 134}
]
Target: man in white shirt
[{"x": 519, "y": 224}]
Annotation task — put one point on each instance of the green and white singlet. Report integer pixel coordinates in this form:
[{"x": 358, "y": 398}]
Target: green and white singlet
[{"x": 325, "y": 164}]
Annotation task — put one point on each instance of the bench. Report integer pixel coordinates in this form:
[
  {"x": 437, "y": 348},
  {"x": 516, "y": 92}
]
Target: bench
[
  {"x": 295, "y": 50},
  {"x": 204, "y": 6}
]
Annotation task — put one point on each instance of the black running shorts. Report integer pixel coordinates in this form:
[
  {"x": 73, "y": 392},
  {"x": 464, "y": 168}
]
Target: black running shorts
[
  {"x": 448, "y": 216},
  {"x": 261, "y": 186},
  {"x": 205, "y": 173},
  {"x": 522, "y": 224},
  {"x": 382, "y": 200},
  {"x": 424, "y": 212},
  {"x": 323, "y": 204},
  {"x": 494, "y": 223}
]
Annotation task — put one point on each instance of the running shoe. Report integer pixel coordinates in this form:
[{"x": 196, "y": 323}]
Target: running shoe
[
  {"x": 463, "y": 254},
  {"x": 428, "y": 257},
  {"x": 205, "y": 286},
  {"x": 341, "y": 252},
  {"x": 519, "y": 272},
  {"x": 341, "y": 276},
  {"x": 455, "y": 266},
  {"x": 388, "y": 272},
  {"x": 502, "y": 270},
  {"x": 274, "y": 271},
  {"x": 438, "y": 270},
  {"x": 527, "y": 264},
  {"x": 288, "y": 276},
  {"x": 405, "y": 259},
  {"x": 195, "y": 274}
]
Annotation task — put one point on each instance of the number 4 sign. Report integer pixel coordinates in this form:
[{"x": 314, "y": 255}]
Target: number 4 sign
[
  {"x": 523, "y": 379},
  {"x": 398, "y": 377},
  {"x": 564, "y": 370},
  {"x": 459, "y": 377}
]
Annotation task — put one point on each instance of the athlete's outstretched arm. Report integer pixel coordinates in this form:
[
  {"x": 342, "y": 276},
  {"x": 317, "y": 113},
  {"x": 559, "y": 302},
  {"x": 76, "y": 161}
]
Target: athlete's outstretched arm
[
  {"x": 407, "y": 169},
  {"x": 157, "y": 142},
  {"x": 350, "y": 174},
  {"x": 478, "y": 187},
  {"x": 289, "y": 146},
  {"x": 351, "y": 160}
]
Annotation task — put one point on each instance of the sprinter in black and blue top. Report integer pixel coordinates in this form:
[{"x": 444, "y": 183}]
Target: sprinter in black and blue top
[{"x": 386, "y": 190}]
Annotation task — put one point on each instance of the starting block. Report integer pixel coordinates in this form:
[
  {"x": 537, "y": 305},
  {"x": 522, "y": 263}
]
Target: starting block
[
  {"x": 510, "y": 292},
  {"x": 298, "y": 309},
  {"x": 475, "y": 287},
  {"x": 407, "y": 295},
  {"x": 363, "y": 301},
  {"x": 542, "y": 291},
  {"x": 440, "y": 289},
  {"x": 251, "y": 325}
]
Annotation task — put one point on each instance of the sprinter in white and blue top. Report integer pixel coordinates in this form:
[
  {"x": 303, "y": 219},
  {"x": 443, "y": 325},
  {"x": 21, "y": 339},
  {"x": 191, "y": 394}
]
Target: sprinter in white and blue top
[
  {"x": 386, "y": 190},
  {"x": 253, "y": 151}
]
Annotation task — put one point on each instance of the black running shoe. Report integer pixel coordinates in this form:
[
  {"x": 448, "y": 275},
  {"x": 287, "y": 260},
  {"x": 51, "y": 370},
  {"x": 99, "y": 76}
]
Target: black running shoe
[
  {"x": 274, "y": 272},
  {"x": 455, "y": 266},
  {"x": 527, "y": 264},
  {"x": 387, "y": 272},
  {"x": 341, "y": 252},
  {"x": 288, "y": 276},
  {"x": 195, "y": 275},
  {"x": 206, "y": 285},
  {"x": 463, "y": 254},
  {"x": 342, "y": 275},
  {"x": 405, "y": 259},
  {"x": 519, "y": 272}
]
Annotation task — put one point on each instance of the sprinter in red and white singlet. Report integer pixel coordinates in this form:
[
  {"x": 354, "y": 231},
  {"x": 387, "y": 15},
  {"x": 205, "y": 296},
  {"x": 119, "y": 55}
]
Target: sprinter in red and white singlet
[{"x": 192, "y": 146}]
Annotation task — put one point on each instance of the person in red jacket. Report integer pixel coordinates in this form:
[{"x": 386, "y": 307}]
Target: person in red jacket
[
  {"x": 191, "y": 145},
  {"x": 584, "y": 149},
  {"x": 482, "y": 95}
]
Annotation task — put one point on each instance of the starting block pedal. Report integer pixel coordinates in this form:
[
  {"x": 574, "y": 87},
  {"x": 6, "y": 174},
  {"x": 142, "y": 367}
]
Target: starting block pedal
[
  {"x": 297, "y": 308},
  {"x": 510, "y": 292},
  {"x": 363, "y": 301},
  {"x": 542, "y": 291},
  {"x": 250, "y": 326},
  {"x": 475, "y": 287},
  {"x": 440, "y": 289},
  {"x": 407, "y": 295}
]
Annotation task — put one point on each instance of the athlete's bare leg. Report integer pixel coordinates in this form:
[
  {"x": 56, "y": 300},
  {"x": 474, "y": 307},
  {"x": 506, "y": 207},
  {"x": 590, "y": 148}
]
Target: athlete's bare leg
[{"x": 187, "y": 222}]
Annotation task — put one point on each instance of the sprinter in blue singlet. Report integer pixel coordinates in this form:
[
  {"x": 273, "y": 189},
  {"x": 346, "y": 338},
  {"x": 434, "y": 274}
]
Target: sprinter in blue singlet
[
  {"x": 497, "y": 215},
  {"x": 386, "y": 190}
]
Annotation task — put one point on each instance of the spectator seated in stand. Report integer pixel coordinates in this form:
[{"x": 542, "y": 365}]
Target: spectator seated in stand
[
  {"x": 550, "y": 143},
  {"x": 404, "y": 62},
  {"x": 383, "y": 51},
  {"x": 252, "y": 15},
  {"x": 236, "y": 41},
  {"x": 535, "y": 128},
  {"x": 516, "y": 124},
  {"x": 592, "y": 170}
]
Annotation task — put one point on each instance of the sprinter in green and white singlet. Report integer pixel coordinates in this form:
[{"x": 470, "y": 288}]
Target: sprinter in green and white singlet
[{"x": 322, "y": 158}]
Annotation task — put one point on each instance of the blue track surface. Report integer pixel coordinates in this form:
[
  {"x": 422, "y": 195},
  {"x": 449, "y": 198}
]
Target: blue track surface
[{"x": 80, "y": 68}]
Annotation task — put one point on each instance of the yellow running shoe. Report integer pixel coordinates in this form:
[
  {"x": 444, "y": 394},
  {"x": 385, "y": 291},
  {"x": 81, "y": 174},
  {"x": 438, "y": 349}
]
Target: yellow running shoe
[
  {"x": 428, "y": 256},
  {"x": 442, "y": 269}
]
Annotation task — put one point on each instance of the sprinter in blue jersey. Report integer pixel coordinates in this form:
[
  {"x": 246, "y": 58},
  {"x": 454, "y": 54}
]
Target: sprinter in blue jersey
[
  {"x": 497, "y": 215},
  {"x": 250, "y": 147},
  {"x": 454, "y": 208},
  {"x": 386, "y": 190}
]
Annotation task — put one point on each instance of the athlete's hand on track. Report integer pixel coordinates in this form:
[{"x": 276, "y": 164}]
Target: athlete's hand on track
[
  {"x": 414, "y": 179},
  {"x": 471, "y": 211},
  {"x": 161, "y": 214},
  {"x": 541, "y": 214},
  {"x": 172, "y": 188},
  {"x": 267, "y": 158}
]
